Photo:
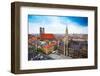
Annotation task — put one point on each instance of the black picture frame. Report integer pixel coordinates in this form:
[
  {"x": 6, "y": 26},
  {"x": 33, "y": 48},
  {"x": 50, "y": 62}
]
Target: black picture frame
[{"x": 15, "y": 36}]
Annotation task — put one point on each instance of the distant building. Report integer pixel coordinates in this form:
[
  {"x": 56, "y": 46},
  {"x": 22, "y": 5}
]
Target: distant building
[
  {"x": 32, "y": 40},
  {"x": 48, "y": 49}
]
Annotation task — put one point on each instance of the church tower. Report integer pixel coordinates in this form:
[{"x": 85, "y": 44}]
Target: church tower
[
  {"x": 42, "y": 30},
  {"x": 66, "y": 42},
  {"x": 66, "y": 32}
]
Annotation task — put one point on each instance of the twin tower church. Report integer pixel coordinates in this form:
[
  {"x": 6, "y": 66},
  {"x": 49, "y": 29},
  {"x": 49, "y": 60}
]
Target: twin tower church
[{"x": 61, "y": 42}]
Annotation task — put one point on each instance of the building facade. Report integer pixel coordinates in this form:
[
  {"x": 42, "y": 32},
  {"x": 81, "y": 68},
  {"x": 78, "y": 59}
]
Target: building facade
[{"x": 63, "y": 44}]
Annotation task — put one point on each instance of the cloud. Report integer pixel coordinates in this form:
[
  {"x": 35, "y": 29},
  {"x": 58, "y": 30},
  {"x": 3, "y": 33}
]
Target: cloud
[
  {"x": 77, "y": 29},
  {"x": 57, "y": 27}
]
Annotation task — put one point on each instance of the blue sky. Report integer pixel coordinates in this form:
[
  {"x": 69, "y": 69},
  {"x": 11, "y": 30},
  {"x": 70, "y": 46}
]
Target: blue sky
[{"x": 58, "y": 24}]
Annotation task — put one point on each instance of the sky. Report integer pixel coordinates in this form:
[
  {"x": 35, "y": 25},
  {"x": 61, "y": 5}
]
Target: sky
[{"x": 58, "y": 24}]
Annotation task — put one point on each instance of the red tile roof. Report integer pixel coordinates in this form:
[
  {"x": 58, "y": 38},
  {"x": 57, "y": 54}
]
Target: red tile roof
[
  {"x": 34, "y": 38},
  {"x": 47, "y": 36}
]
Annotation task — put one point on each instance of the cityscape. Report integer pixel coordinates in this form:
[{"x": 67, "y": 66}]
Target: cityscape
[{"x": 44, "y": 45}]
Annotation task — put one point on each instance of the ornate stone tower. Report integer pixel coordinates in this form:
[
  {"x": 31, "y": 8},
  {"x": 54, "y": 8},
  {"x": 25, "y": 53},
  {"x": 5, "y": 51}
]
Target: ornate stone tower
[
  {"x": 42, "y": 30},
  {"x": 66, "y": 42}
]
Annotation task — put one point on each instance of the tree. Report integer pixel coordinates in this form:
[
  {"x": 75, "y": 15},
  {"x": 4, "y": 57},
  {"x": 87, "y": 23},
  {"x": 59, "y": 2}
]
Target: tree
[{"x": 55, "y": 47}]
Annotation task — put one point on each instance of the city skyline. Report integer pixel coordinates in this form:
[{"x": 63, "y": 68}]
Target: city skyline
[{"x": 58, "y": 24}]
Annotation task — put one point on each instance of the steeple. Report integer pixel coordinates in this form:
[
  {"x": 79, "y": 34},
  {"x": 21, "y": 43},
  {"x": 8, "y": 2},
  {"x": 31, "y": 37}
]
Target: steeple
[
  {"x": 66, "y": 42},
  {"x": 66, "y": 32}
]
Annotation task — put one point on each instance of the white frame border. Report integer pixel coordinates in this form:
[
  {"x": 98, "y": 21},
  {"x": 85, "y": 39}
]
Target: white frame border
[{"x": 25, "y": 64}]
